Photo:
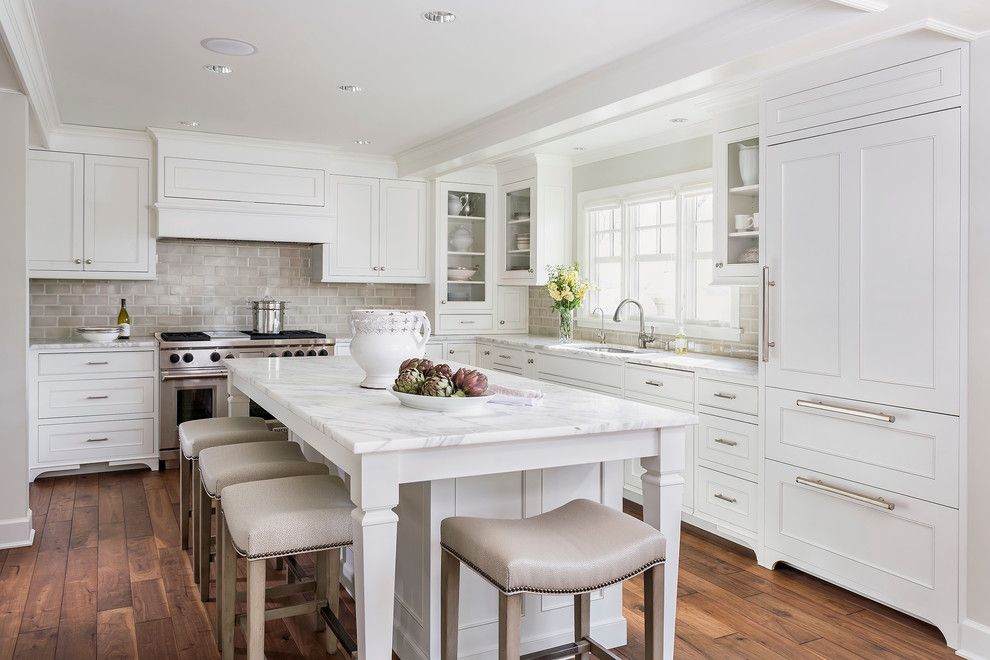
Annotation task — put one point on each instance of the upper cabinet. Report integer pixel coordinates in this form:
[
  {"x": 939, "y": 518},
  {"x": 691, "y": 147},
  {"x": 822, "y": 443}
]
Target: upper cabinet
[
  {"x": 736, "y": 243},
  {"x": 534, "y": 219},
  {"x": 466, "y": 247},
  {"x": 201, "y": 179},
  {"x": 88, "y": 217},
  {"x": 379, "y": 232}
]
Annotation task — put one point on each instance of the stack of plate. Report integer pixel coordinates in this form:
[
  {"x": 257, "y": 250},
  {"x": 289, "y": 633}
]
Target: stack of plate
[
  {"x": 522, "y": 242},
  {"x": 105, "y": 334}
]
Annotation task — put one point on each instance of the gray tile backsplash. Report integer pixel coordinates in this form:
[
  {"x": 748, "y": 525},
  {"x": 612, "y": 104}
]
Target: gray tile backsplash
[{"x": 206, "y": 284}]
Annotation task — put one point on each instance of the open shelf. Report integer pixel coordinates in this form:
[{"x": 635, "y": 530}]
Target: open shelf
[
  {"x": 517, "y": 222},
  {"x": 465, "y": 281},
  {"x": 751, "y": 190},
  {"x": 526, "y": 251},
  {"x": 465, "y": 254},
  {"x": 466, "y": 217},
  {"x": 753, "y": 233}
]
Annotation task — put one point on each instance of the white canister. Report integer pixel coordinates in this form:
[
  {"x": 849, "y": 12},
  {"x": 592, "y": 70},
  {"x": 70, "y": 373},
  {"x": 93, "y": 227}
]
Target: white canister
[
  {"x": 383, "y": 338},
  {"x": 749, "y": 163}
]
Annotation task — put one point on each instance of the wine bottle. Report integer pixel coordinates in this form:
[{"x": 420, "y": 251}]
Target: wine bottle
[{"x": 124, "y": 320}]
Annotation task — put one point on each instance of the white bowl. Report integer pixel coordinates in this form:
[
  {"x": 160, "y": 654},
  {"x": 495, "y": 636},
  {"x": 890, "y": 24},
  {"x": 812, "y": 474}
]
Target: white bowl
[
  {"x": 459, "y": 405},
  {"x": 104, "y": 335},
  {"x": 461, "y": 274}
]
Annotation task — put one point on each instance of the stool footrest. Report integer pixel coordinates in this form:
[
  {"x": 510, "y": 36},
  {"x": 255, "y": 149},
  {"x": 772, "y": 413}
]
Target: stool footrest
[
  {"x": 586, "y": 645},
  {"x": 337, "y": 628},
  {"x": 292, "y": 564},
  {"x": 286, "y": 611}
]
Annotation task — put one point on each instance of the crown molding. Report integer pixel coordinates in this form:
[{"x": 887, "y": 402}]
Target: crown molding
[
  {"x": 871, "y": 6},
  {"x": 19, "y": 29},
  {"x": 950, "y": 30}
]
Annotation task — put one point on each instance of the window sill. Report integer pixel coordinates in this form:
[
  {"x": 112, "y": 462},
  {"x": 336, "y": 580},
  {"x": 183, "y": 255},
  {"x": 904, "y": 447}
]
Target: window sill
[{"x": 706, "y": 332}]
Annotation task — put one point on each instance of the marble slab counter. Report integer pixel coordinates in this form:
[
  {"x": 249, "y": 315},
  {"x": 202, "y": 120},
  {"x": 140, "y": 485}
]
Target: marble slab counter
[{"x": 69, "y": 343}]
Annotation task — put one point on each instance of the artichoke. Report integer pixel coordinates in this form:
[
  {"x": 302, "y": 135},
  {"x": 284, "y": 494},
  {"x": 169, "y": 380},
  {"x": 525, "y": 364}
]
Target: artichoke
[
  {"x": 437, "y": 386},
  {"x": 471, "y": 382},
  {"x": 409, "y": 381},
  {"x": 422, "y": 364},
  {"x": 440, "y": 370}
]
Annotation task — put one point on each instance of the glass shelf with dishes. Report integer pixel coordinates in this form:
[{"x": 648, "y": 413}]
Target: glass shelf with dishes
[
  {"x": 467, "y": 246},
  {"x": 737, "y": 206},
  {"x": 518, "y": 223}
]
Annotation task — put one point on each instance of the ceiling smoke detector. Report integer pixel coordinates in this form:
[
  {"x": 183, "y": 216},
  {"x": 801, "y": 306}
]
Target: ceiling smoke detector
[
  {"x": 440, "y": 16},
  {"x": 228, "y": 46},
  {"x": 219, "y": 69},
  {"x": 349, "y": 88}
]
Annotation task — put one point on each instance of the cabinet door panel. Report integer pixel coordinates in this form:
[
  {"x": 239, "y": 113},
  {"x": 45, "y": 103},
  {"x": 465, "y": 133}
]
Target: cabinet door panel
[
  {"x": 403, "y": 229},
  {"x": 355, "y": 250},
  {"x": 54, "y": 210},
  {"x": 513, "y": 308},
  {"x": 117, "y": 230}
]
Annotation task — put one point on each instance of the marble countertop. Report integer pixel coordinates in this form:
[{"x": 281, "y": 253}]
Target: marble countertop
[
  {"x": 324, "y": 391},
  {"x": 79, "y": 342}
]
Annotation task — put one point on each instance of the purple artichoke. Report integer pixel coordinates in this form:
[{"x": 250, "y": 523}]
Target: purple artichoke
[
  {"x": 440, "y": 370},
  {"x": 422, "y": 364},
  {"x": 437, "y": 386},
  {"x": 471, "y": 382},
  {"x": 409, "y": 381}
]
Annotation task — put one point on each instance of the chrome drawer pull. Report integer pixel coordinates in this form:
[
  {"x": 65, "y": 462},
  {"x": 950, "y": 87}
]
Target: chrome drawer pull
[
  {"x": 728, "y": 443},
  {"x": 486, "y": 352},
  {"x": 875, "y": 501},
  {"x": 94, "y": 364},
  {"x": 102, "y": 396},
  {"x": 655, "y": 383},
  {"x": 97, "y": 439},
  {"x": 467, "y": 322},
  {"x": 725, "y": 498},
  {"x": 723, "y": 395},
  {"x": 866, "y": 414},
  {"x": 505, "y": 357}
]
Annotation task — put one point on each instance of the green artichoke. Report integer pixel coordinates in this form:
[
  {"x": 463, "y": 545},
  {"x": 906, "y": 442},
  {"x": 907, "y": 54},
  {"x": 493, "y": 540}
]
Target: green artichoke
[
  {"x": 437, "y": 386},
  {"x": 471, "y": 382},
  {"x": 409, "y": 381},
  {"x": 440, "y": 370},
  {"x": 422, "y": 364}
]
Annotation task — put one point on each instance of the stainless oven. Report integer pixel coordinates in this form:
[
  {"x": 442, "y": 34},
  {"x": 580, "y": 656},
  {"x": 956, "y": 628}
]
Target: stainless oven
[{"x": 187, "y": 396}]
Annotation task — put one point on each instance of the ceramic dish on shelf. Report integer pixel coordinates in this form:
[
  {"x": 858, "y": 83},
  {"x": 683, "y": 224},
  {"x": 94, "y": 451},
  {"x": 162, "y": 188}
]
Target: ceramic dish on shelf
[
  {"x": 102, "y": 334},
  {"x": 460, "y": 405},
  {"x": 749, "y": 255},
  {"x": 461, "y": 273}
]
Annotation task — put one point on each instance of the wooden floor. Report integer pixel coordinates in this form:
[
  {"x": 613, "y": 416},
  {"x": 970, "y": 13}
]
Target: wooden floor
[{"x": 106, "y": 578}]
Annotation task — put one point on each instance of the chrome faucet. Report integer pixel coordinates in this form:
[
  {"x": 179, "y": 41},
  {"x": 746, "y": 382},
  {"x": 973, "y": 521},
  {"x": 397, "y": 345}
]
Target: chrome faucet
[
  {"x": 601, "y": 333},
  {"x": 644, "y": 338}
]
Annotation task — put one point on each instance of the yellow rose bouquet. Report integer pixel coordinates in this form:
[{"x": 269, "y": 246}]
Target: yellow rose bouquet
[{"x": 567, "y": 289}]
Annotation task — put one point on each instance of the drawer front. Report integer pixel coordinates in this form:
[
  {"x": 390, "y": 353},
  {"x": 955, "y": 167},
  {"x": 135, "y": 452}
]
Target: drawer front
[
  {"x": 728, "y": 499},
  {"x": 728, "y": 396},
  {"x": 655, "y": 382},
  {"x": 584, "y": 372},
  {"x": 86, "y": 364},
  {"x": 466, "y": 322},
  {"x": 95, "y": 441},
  {"x": 917, "y": 453},
  {"x": 729, "y": 442},
  {"x": 192, "y": 178},
  {"x": 508, "y": 357},
  {"x": 905, "y": 557},
  {"x": 927, "y": 79},
  {"x": 105, "y": 396}
]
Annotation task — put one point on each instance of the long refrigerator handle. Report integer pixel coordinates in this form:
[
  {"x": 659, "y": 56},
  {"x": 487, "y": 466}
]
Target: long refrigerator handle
[{"x": 767, "y": 283}]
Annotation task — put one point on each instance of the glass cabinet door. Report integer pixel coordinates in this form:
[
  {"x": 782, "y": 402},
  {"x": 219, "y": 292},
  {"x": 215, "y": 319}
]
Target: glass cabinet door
[
  {"x": 466, "y": 245},
  {"x": 518, "y": 257}
]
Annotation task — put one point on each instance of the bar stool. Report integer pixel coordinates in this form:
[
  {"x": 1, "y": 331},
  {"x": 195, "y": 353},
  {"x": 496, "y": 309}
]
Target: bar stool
[
  {"x": 227, "y": 465},
  {"x": 279, "y": 518},
  {"x": 575, "y": 549}
]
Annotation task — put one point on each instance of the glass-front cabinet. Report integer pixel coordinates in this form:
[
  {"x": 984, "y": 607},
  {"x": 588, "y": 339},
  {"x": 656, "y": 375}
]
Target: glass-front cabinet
[
  {"x": 518, "y": 248},
  {"x": 737, "y": 206},
  {"x": 467, "y": 257}
]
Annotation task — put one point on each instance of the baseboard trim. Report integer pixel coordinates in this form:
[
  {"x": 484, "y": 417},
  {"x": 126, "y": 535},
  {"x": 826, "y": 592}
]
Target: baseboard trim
[
  {"x": 974, "y": 640},
  {"x": 16, "y": 532}
]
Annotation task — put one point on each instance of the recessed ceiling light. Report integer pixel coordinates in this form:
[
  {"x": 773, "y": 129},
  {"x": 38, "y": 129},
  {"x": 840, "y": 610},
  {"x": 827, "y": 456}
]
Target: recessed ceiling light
[
  {"x": 678, "y": 120},
  {"x": 349, "y": 88},
  {"x": 227, "y": 46},
  {"x": 189, "y": 123},
  {"x": 439, "y": 16},
  {"x": 362, "y": 141},
  {"x": 220, "y": 69}
]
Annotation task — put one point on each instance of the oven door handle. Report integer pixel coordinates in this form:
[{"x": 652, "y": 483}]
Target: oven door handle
[{"x": 189, "y": 376}]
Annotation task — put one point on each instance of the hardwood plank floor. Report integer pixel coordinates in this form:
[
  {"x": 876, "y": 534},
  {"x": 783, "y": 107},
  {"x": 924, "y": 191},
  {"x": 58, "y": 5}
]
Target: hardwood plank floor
[{"x": 106, "y": 578}]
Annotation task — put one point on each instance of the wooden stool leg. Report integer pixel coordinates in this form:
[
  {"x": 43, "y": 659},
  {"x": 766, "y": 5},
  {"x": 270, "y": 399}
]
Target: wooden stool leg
[
  {"x": 219, "y": 564},
  {"x": 194, "y": 485},
  {"x": 333, "y": 593},
  {"x": 256, "y": 609},
  {"x": 582, "y": 621},
  {"x": 322, "y": 559},
  {"x": 203, "y": 537},
  {"x": 653, "y": 611},
  {"x": 450, "y": 586},
  {"x": 509, "y": 619},
  {"x": 227, "y": 606},
  {"x": 185, "y": 505}
]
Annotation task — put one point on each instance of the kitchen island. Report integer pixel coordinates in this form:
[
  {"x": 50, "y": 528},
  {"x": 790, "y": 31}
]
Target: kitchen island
[{"x": 410, "y": 469}]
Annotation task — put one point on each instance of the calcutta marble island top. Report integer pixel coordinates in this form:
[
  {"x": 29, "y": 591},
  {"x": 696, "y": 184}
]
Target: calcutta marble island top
[{"x": 324, "y": 391}]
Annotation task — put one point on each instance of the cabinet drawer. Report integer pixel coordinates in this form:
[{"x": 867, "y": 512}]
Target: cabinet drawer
[
  {"x": 508, "y": 357},
  {"x": 656, "y": 382},
  {"x": 95, "y": 441},
  {"x": 917, "y": 453},
  {"x": 466, "y": 322},
  {"x": 729, "y": 442},
  {"x": 104, "y": 396},
  {"x": 584, "y": 372},
  {"x": 80, "y": 363},
  {"x": 904, "y": 557},
  {"x": 193, "y": 178},
  {"x": 728, "y": 499},
  {"x": 728, "y": 396}
]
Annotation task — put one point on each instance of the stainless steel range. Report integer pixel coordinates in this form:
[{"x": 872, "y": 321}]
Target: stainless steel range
[{"x": 194, "y": 378}]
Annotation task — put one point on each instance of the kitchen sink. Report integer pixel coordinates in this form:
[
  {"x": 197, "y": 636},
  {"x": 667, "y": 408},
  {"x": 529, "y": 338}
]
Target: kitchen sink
[{"x": 606, "y": 349}]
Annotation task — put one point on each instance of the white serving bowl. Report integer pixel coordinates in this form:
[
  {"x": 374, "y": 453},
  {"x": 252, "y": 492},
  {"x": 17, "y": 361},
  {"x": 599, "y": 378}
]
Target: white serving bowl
[
  {"x": 459, "y": 405},
  {"x": 461, "y": 274},
  {"x": 104, "y": 335}
]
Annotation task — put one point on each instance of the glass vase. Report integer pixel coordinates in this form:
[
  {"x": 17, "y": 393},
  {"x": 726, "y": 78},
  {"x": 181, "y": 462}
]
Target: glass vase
[{"x": 566, "y": 326}]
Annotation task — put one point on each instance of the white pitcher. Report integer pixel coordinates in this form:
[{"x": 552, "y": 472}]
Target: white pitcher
[{"x": 383, "y": 338}]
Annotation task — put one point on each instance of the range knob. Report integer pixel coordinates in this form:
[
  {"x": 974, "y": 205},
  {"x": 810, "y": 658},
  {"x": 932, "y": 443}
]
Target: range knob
[
  {"x": 273, "y": 355},
  {"x": 324, "y": 352},
  {"x": 187, "y": 358},
  {"x": 173, "y": 358},
  {"x": 229, "y": 356},
  {"x": 311, "y": 353},
  {"x": 286, "y": 353},
  {"x": 299, "y": 354},
  {"x": 214, "y": 357}
]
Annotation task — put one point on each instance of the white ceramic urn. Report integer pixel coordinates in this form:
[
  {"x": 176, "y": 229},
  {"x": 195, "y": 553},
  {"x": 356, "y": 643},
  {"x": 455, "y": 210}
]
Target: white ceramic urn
[{"x": 383, "y": 338}]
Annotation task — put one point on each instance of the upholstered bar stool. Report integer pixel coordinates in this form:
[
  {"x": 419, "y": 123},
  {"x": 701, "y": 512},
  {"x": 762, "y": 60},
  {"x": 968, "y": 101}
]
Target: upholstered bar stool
[
  {"x": 575, "y": 549},
  {"x": 227, "y": 465},
  {"x": 280, "y": 518}
]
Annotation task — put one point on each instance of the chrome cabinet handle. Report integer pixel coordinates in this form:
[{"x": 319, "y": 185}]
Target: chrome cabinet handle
[
  {"x": 724, "y": 395},
  {"x": 94, "y": 364},
  {"x": 89, "y": 261},
  {"x": 865, "y": 499},
  {"x": 855, "y": 412},
  {"x": 530, "y": 361},
  {"x": 501, "y": 322},
  {"x": 102, "y": 396},
  {"x": 374, "y": 268},
  {"x": 767, "y": 344},
  {"x": 505, "y": 357},
  {"x": 467, "y": 322},
  {"x": 531, "y": 270},
  {"x": 451, "y": 351},
  {"x": 655, "y": 383},
  {"x": 97, "y": 439},
  {"x": 725, "y": 498},
  {"x": 486, "y": 352},
  {"x": 727, "y": 443},
  {"x": 381, "y": 268},
  {"x": 78, "y": 261},
  {"x": 719, "y": 264},
  {"x": 443, "y": 302}
]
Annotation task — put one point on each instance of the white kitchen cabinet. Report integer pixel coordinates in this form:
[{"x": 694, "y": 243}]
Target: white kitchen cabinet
[
  {"x": 513, "y": 309},
  {"x": 380, "y": 232},
  {"x": 88, "y": 217},
  {"x": 465, "y": 352},
  {"x": 863, "y": 249},
  {"x": 214, "y": 180},
  {"x": 735, "y": 249}
]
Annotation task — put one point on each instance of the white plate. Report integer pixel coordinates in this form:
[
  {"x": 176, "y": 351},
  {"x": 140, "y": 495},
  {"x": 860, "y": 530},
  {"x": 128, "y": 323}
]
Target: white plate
[
  {"x": 460, "y": 405},
  {"x": 99, "y": 334}
]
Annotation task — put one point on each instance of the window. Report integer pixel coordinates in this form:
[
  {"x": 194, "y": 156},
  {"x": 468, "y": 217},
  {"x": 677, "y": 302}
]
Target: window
[{"x": 653, "y": 241}]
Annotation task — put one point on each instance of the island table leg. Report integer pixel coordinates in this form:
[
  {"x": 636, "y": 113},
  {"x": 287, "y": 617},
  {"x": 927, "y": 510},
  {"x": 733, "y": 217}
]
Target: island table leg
[{"x": 375, "y": 533}]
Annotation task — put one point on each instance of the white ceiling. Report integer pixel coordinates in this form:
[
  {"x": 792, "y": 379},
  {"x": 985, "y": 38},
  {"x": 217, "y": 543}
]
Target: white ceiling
[
  {"x": 8, "y": 79},
  {"x": 137, "y": 63}
]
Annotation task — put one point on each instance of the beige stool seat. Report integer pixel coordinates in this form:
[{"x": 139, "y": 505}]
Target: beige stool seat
[
  {"x": 227, "y": 465},
  {"x": 288, "y": 516},
  {"x": 581, "y": 546},
  {"x": 224, "y": 431}
]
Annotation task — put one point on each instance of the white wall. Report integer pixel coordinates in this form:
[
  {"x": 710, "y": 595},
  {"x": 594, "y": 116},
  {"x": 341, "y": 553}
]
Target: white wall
[
  {"x": 694, "y": 154},
  {"x": 15, "y": 517}
]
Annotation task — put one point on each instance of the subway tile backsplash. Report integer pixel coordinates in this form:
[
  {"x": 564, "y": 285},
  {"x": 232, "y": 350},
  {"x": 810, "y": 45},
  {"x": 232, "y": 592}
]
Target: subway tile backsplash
[{"x": 207, "y": 284}]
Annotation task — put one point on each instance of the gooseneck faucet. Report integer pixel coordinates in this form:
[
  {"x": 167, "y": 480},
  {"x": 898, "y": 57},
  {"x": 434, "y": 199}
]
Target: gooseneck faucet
[
  {"x": 601, "y": 333},
  {"x": 644, "y": 338}
]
